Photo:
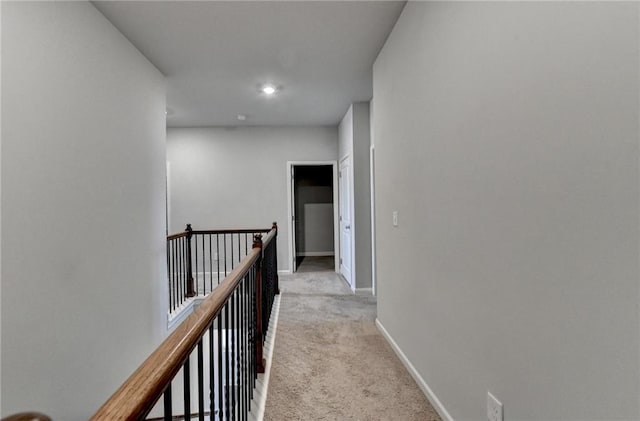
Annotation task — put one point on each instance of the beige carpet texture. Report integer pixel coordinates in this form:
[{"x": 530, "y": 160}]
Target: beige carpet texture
[{"x": 331, "y": 363}]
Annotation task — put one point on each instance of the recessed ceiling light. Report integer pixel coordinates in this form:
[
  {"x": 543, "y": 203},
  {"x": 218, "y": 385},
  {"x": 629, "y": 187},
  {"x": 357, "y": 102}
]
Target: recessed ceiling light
[
  {"x": 242, "y": 117},
  {"x": 268, "y": 89}
]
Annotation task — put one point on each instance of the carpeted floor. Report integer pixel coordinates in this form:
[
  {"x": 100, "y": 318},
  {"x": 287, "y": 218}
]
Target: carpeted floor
[
  {"x": 331, "y": 363},
  {"x": 315, "y": 264}
]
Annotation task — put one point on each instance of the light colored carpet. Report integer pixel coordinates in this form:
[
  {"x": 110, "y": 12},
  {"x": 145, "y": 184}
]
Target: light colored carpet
[{"x": 331, "y": 363}]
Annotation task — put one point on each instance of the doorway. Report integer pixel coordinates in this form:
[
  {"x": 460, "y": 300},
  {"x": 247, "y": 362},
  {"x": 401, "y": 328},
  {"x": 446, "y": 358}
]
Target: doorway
[{"x": 312, "y": 209}]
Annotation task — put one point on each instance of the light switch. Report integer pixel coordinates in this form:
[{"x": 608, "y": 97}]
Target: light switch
[{"x": 395, "y": 218}]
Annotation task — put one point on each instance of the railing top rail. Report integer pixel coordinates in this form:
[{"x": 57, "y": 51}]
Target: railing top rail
[
  {"x": 222, "y": 231},
  {"x": 176, "y": 236},
  {"x": 138, "y": 394},
  {"x": 233, "y": 231},
  {"x": 266, "y": 240}
]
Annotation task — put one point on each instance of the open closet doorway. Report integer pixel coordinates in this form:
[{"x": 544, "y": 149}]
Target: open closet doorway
[{"x": 313, "y": 215}]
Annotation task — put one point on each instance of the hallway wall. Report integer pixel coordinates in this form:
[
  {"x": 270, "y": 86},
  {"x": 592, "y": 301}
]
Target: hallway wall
[
  {"x": 354, "y": 140},
  {"x": 83, "y": 193},
  {"x": 237, "y": 177},
  {"x": 506, "y": 137}
]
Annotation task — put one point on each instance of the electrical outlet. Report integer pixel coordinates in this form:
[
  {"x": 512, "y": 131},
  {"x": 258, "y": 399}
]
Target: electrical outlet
[{"x": 494, "y": 408}]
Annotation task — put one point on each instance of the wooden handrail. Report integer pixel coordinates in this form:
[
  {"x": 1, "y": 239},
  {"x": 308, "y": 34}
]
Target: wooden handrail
[
  {"x": 266, "y": 240},
  {"x": 176, "y": 236},
  {"x": 140, "y": 392}
]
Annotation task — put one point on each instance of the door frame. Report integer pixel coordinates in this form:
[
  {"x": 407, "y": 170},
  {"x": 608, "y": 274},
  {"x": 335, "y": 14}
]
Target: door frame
[{"x": 291, "y": 223}]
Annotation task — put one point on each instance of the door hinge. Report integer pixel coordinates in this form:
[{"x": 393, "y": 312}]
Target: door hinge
[{"x": 341, "y": 260}]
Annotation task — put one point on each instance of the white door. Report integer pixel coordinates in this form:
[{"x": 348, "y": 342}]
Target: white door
[{"x": 345, "y": 220}]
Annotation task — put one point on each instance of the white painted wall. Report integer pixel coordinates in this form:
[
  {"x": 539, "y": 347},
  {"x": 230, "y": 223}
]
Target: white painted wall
[
  {"x": 345, "y": 135},
  {"x": 237, "y": 177},
  {"x": 362, "y": 193},
  {"x": 354, "y": 141},
  {"x": 318, "y": 229},
  {"x": 507, "y": 139},
  {"x": 83, "y": 246}
]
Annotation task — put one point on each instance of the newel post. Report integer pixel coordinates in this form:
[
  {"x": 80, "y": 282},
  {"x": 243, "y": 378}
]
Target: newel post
[
  {"x": 188, "y": 267},
  {"x": 275, "y": 259},
  {"x": 260, "y": 363}
]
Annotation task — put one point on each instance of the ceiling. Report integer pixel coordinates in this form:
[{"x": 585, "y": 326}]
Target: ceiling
[{"x": 215, "y": 55}]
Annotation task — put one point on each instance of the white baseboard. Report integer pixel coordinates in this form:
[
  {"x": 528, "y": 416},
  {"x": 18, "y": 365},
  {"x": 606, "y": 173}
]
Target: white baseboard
[
  {"x": 433, "y": 399},
  {"x": 284, "y": 272},
  {"x": 364, "y": 291},
  {"x": 315, "y": 253},
  {"x": 181, "y": 313}
]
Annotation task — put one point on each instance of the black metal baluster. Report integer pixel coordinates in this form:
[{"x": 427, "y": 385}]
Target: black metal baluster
[
  {"x": 176, "y": 281},
  {"x": 195, "y": 248},
  {"x": 210, "y": 267},
  {"x": 174, "y": 286},
  {"x": 185, "y": 263},
  {"x": 174, "y": 252},
  {"x": 187, "y": 387},
  {"x": 179, "y": 257},
  {"x": 168, "y": 411},
  {"x": 243, "y": 360},
  {"x": 212, "y": 377},
  {"x": 200, "y": 381},
  {"x": 231, "y": 248},
  {"x": 254, "y": 371},
  {"x": 239, "y": 255},
  {"x": 249, "y": 340},
  {"x": 220, "y": 370},
  {"x": 169, "y": 274},
  {"x": 246, "y": 339},
  {"x": 218, "y": 253},
  {"x": 181, "y": 270},
  {"x": 237, "y": 360},
  {"x": 226, "y": 357},
  {"x": 204, "y": 273},
  {"x": 224, "y": 237},
  {"x": 233, "y": 354},
  {"x": 240, "y": 353}
]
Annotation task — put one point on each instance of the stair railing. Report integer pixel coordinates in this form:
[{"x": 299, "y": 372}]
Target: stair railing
[
  {"x": 213, "y": 358},
  {"x": 198, "y": 260}
]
